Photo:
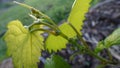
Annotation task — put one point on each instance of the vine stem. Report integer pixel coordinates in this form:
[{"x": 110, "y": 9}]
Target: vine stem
[
  {"x": 55, "y": 31},
  {"x": 79, "y": 36},
  {"x": 42, "y": 23},
  {"x": 89, "y": 51},
  {"x": 109, "y": 54},
  {"x": 40, "y": 13},
  {"x": 40, "y": 29},
  {"x": 22, "y": 4}
]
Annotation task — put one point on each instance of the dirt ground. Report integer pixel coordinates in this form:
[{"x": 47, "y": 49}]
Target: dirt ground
[{"x": 101, "y": 21}]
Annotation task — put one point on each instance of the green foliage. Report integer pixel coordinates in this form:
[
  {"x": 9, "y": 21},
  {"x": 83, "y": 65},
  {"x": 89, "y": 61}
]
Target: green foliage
[
  {"x": 113, "y": 39},
  {"x": 2, "y": 50},
  {"x": 58, "y": 10},
  {"x": 28, "y": 42},
  {"x": 94, "y": 2},
  {"x": 7, "y": 4},
  {"x": 76, "y": 18},
  {"x": 56, "y": 62},
  {"x": 55, "y": 43},
  {"x": 67, "y": 30},
  {"x": 100, "y": 46},
  {"x": 77, "y": 15},
  {"x": 27, "y": 45}
]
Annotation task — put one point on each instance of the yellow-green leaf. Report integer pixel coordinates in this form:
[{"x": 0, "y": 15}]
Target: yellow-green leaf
[
  {"x": 54, "y": 43},
  {"x": 112, "y": 40},
  {"x": 77, "y": 15},
  {"x": 100, "y": 46},
  {"x": 23, "y": 46},
  {"x": 67, "y": 30},
  {"x": 76, "y": 18}
]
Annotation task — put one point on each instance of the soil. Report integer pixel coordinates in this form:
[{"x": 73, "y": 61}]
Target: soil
[{"x": 101, "y": 21}]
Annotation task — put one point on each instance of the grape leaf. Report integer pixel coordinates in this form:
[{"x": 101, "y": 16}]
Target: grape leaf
[
  {"x": 80, "y": 7},
  {"x": 113, "y": 39},
  {"x": 100, "y": 46},
  {"x": 54, "y": 43},
  {"x": 57, "y": 42},
  {"x": 23, "y": 46},
  {"x": 77, "y": 15},
  {"x": 56, "y": 62},
  {"x": 67, "y": 30}
]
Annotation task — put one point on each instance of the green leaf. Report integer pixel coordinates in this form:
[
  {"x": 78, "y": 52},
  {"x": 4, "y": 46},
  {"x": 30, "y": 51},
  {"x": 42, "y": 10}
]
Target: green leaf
[
  {"x": 77, "y": 15},
  {"x": 56, "y": 62},
  {"x": 100, "y": 47},
  {"x": 23, "y": 46},
  {"x": 76, "y": 19},
  {"x": 67, "y": 30},
  {"x": 113, "y": 39},
  {"x": 54, "y": 43}
]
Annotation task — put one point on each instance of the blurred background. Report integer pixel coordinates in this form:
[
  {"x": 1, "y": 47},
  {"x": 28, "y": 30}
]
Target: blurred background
[{"x": 101, "y": 20}]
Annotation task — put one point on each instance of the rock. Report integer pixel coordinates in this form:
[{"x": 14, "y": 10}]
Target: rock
[{"x": 7, "y": 63}]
